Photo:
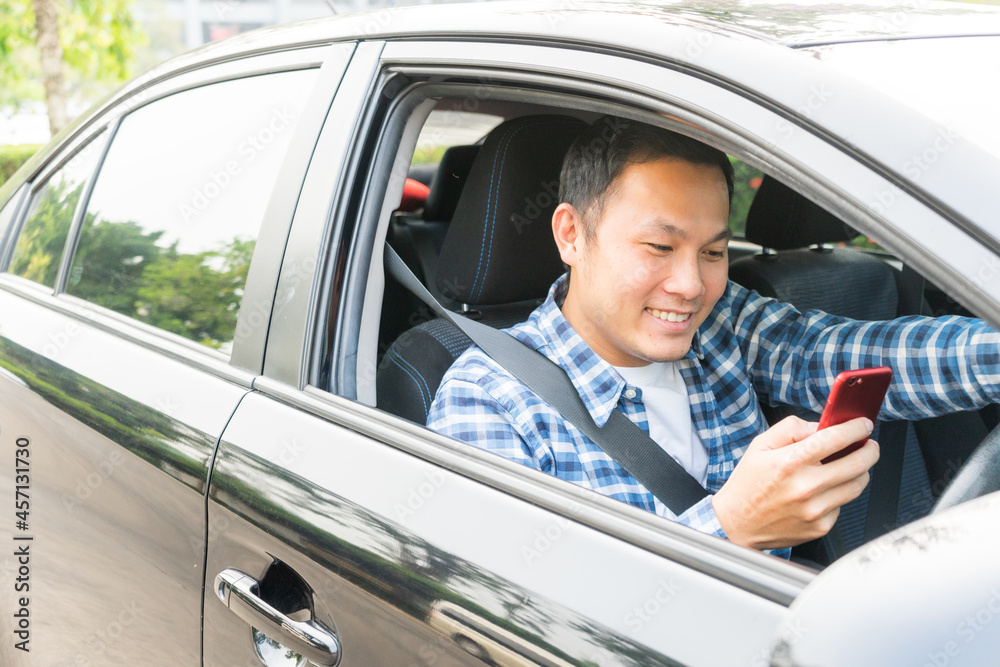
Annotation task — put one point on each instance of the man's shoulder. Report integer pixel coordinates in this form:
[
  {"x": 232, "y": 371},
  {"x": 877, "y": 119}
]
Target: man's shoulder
[{"x": 477, "y": 367}]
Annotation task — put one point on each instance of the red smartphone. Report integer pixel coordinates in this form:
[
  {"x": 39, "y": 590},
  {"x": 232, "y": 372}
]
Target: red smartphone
[{"x": 857, "y": 393}]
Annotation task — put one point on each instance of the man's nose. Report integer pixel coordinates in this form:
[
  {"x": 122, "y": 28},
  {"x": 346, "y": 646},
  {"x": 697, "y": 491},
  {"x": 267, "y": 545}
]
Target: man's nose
[{"x": 685, "y": 279}]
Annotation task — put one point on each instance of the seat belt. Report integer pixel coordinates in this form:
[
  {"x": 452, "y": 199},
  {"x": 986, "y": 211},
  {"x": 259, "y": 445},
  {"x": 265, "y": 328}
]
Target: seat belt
[
  {"x": 887, "y": 474},
  {"x": 621, "y": 439}
]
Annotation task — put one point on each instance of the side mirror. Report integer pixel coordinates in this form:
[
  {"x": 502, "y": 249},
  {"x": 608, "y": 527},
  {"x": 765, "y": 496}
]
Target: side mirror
[{"x": 924, "y": 595}]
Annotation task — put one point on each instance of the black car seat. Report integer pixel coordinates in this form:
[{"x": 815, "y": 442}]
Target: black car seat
[
  {"x": 418, "y": 236},
  {"x": 498, "y": 258},
  {"x": 851, "y": 283}
]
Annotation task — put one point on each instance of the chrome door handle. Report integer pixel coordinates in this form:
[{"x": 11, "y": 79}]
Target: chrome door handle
[{"x": 310, "y": 639}]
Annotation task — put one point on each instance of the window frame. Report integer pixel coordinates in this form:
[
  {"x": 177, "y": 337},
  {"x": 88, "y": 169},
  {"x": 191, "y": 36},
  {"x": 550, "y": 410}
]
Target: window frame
[{"x": 143, "y": 92}]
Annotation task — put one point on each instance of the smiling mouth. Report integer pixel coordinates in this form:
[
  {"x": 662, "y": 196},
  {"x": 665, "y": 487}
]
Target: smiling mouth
[{"x": 669, "y": 316}]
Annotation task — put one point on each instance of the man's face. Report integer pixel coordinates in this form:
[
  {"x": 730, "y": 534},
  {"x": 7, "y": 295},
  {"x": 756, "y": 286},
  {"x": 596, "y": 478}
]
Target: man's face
[{"x": 656, "y": 266}]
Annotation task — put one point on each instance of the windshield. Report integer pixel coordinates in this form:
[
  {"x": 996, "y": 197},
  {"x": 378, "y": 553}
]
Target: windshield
[{"x": 949, "y": 79}]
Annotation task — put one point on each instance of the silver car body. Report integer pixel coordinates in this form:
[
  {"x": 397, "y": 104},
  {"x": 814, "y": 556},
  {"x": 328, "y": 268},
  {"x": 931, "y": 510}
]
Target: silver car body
[{"x": 156, "y": 463}]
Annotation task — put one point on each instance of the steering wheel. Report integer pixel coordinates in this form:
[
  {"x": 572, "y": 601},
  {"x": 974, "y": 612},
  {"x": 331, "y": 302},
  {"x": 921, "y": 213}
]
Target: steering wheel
[{"x": 980, "y": 474}]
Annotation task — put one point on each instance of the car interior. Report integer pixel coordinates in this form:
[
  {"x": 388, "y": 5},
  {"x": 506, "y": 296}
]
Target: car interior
[{"x": 483, "y": 246}]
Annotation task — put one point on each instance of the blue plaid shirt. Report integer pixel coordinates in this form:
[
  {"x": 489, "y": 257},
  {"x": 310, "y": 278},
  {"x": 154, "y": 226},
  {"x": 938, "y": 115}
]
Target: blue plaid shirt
[{"x": 749, "y": 348}]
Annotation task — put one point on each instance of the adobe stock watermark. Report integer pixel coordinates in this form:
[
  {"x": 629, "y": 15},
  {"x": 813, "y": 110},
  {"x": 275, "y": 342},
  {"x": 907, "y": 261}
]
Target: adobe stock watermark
[
  {"x": 966, "y": 632},
  {"x": 698, "y": 43},
  {"x": 543, "y": 539},
  {"x": 100, "y": 642},
  {"x": 898, "y": 20},
  {"x": 218, "y": 525},
  {"x": 257, "y": 314},
  {"x": 548, "y": 194},
  {"x": 556, "y": 15},
  {"x": 60, "y": 340},
  {"x": 431, "y": 652},
  {"x": 418, "y": 495},
  {"x": 916, "y": 166},
  {"x": 815, "y": 99},
  {"x": 220, "y": 178},
  {"x": 987, "y": 271},
  {"x": 86, "y": 486},
  {"x": 641, "y": 614}
]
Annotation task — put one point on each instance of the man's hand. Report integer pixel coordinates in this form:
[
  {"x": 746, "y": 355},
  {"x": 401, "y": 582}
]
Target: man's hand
[{"x": 780, "y": 494}]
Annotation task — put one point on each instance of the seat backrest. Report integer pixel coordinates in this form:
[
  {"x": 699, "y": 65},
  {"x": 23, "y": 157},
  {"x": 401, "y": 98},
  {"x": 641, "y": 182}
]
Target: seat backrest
[
  {"x": 840, "y": 281},
  {"x": 498, "y": 258}
]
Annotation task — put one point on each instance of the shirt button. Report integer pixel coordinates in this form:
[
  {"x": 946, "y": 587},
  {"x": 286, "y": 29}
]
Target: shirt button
[{"x": 630, "y": 394}]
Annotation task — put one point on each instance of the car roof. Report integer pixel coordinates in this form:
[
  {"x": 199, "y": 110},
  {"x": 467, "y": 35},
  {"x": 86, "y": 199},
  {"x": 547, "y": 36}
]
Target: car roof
[{"x": 777, "y": 21}]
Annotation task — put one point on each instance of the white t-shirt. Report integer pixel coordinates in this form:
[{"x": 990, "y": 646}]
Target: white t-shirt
[{"x": 668, "y": 411}]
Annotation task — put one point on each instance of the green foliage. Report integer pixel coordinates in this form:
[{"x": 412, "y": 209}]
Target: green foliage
[
  {"x": 196, "y": 295},
  {"x": 98, "y": 38},
  {"x": 112, "y": 256},
  {"x": 428, "y": 155},
  {"x": 746, "y": 182},
  {"x": 121, "y": 267},
  {"x": 12, "y": 157},
  {"x": 40, "y": 246}
]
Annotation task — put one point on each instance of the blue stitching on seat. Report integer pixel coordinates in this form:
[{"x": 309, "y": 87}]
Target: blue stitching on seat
[
  {"x": 489, "y": 198},
  {"x": 491, "y": 220},
  {"x": 399, "y": 361}
]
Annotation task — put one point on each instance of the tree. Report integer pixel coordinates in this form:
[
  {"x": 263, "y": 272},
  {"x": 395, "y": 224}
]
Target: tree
[
  {"x": 50, "y": 50},
  {"x": 70, "y": 45}
]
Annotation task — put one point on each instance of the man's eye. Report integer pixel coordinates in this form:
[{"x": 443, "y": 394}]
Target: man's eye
[
  {"x": 660, "y": 248},
  {"x": 716, "y": 254}
]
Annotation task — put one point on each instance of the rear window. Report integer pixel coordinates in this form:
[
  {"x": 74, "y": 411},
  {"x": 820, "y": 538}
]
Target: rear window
[{"x": 171, "y": 226}]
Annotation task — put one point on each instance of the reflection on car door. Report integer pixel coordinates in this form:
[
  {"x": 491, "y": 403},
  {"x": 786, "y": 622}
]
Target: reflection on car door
[
  {"x": 119, "y": 414},
  {"x": 391, "y": 553}
]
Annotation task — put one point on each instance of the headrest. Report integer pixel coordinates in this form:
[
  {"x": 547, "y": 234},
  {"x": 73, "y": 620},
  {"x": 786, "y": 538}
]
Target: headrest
[
  {"x": 782, "y": 219},
  {"x": 446, "y": 186},
  {"x": 499, "y": 247}
]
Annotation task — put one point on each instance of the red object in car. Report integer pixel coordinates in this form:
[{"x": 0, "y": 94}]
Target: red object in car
[{"x": 414, "y": 195}]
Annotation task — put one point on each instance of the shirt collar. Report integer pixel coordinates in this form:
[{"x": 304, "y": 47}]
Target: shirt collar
[{"x": 596, "y": 381}]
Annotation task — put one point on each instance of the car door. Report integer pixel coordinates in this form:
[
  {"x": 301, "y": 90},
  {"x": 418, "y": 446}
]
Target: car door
[
  {"x": 338, "y": 532},
  {"x": 122, "y": 282}
]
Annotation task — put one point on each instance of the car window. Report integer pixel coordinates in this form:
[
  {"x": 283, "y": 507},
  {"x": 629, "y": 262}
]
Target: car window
[
  {"x": 746, "y": 180},
  {"x": 171, "y": 226},
  {"x": 6, "y": 215},
  {"x": 39, "y": 248},
  {"x": 445, "y": 128}
]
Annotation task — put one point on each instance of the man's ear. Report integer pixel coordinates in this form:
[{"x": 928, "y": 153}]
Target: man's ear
[{"x": 567, "y": 228}]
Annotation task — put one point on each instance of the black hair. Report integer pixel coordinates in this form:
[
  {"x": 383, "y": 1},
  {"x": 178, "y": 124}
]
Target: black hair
[{"x": 608, "y": 146}]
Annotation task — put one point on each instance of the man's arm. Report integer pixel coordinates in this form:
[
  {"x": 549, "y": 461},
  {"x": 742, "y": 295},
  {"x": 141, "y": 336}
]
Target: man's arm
[{"x": 940, "y": 365}]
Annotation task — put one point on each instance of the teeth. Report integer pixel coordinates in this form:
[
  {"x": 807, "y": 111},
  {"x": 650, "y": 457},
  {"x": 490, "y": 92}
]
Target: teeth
[{"x": 669, "y": 316}]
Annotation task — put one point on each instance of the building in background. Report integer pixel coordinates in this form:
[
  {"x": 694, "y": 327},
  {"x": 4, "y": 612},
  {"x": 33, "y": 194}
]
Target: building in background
[{"x": 210, "y": 20}]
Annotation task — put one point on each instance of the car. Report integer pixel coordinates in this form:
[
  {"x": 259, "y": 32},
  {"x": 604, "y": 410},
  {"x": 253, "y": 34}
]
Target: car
[{"x": 211, "y": 387}]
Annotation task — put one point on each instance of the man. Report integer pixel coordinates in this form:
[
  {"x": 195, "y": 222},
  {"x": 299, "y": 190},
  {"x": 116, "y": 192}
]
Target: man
[{"x": 647, "y": 322}]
